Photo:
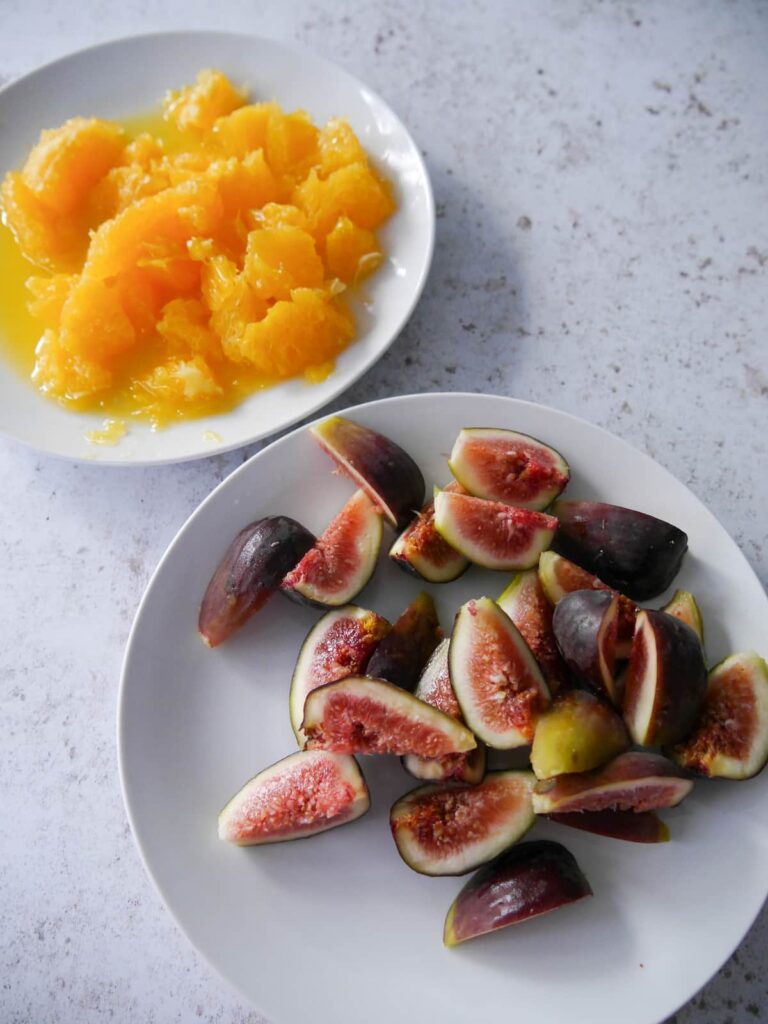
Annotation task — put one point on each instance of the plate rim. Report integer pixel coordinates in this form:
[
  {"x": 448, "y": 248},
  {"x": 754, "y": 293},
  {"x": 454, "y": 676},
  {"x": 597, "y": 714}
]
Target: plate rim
[
  {"x": 297, "y": 51},
  {"x": 212, "y": 496}
]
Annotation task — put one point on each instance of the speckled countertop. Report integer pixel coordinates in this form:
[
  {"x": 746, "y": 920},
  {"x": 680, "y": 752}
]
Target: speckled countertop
[{"x": 602, "y": 246}]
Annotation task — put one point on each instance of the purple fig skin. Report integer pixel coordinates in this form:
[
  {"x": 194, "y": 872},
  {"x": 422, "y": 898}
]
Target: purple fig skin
[
  {"x": 631, "y": 551},
  {"x": 666, "y": 655},
  {"x": 249, "y": 573},
  {"x": 405, "y": 650},
  {"x": 632, "y": 827},
  {"x": 382, "y": 468},
  {"x": 631, "y": 782},
  {"x": 585, "y": 626},
  {"x": 527, "y": 880}
]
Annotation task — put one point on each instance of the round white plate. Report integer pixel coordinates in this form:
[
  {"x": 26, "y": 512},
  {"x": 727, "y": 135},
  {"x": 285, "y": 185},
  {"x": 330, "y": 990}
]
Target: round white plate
[
  {"x": 131, "y": 75},
  {"x": 336, "y": 928}
]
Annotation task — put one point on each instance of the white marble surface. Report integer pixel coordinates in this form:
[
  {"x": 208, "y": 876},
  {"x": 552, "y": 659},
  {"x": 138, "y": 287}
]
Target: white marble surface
[{"x": 600, "y": 173}]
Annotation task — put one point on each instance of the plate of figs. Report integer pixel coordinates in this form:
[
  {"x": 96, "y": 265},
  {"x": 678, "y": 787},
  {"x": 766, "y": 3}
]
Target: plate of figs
[{"x": 501, "y": 673}]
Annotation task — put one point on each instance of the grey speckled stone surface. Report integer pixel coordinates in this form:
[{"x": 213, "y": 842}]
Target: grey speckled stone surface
[{"x": 600, "y": 175}]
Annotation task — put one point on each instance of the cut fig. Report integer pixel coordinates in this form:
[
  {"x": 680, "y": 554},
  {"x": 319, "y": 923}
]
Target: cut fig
[
  {"x": 631, "y": 782},
  {"x": 434, "y": 687},
  {"x": 335, "y": 570},
  {"x": 421, "y": 551},
  {"x": 369, "y": 716},
  {"x": 249, "y": 573},
  {"x": 303, "y": 794},
  {"x": 577, "y": 733},
  {"x": 387, "y": 474},
  {"x": 683, "y": 606},
  {"x": 559, "y": 577},
  {"x": 499, "y": 686},
  {"x": 450, "y": 830},
  {"x": 585, "y": 625},
  {"x": 730, "y": 739},
  {"x": 526, "y": 881},
  {"x": 505, "y": 466},
  {"x": 403, "y": 653},
  {"x": 490, "y": 534},
  {"x": 632, "y": 827},
  {"x": 527, "y": 605},
  {"x": 665, "y": 682},
  {"x": 340, "y": 644},
  {"x": 632, "y": 551}
]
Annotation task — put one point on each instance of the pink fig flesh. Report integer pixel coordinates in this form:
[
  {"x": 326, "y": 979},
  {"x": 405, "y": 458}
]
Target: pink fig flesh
[
  {"x": 434, "y": 687},
  {"x": 631, "y": 782},
  {"x": 527, "y": 605},
  {"x": 359, "y": 715},
  {"x": 421, "y": 551},
  {"x": 343, "y": 559}
]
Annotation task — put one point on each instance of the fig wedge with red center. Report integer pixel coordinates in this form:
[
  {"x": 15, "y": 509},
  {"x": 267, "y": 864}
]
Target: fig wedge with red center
[
  {"x": 340, "y": 644},
  {"x": 585, "y": 625},
  {"x": 527, "y": 605},
  {"x": 369, "y": 716},
  {"x": 683, "y": 606},
  {"x": 301, "y": 795},
  {"x": 665, "y": 682},
  {"x": 499, "y": 686},
  {"x": 336, "y": 569},
  {"x": 386, "y": 472},
  {"x": 490, "y": 534},
  {"x": 577, "y": 733},
  {"x": 730, "y": 739},
  {"x": 421, "y": 551},
  {"x": 632, "y": 551},
  {"x": 526, "y": 881},
  {"x": 631, "y": 782},
  {"x": 632, "y": 827},
  {"x": 559, "y": 577},
  {"x": 249, "y": 573},
  {"x": 449, "y": 829},
  {"x": 505, "y": 466},
  {"x": 434, "y": 687},
  {"x": 405, "y": 650}
]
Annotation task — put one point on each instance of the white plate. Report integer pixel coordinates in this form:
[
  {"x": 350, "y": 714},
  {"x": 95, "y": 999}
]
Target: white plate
[
  {"x": 337, "y": 928},
  {"x": 131, "y": 75}
]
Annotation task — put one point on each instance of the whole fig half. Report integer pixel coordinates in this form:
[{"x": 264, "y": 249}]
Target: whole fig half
[
  {"x": 249, "y": 573},
  {"x": 632, "y": 551},
  {"x": 528, "y": 880}
]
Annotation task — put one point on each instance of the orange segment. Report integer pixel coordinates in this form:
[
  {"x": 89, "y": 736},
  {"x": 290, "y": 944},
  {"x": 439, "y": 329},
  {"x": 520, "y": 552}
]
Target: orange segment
[
  {"x": 351, "y": 253},
  {"x": 48, "y": 295},
  {"x": 67, "y": 162},
  {"x": 94, "y": 324},
  {"x": 43, "y": 236},
  {"x": 309, "y": 328},
  {"x": 339, "y": 146},
  {"x": 353, "y": 191},
  {"x": 196, "y": 108},
  {"x": 244, "y": 130},
  {"x": 291, "y": 143},
  {"x": 277, "y": 260}
]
